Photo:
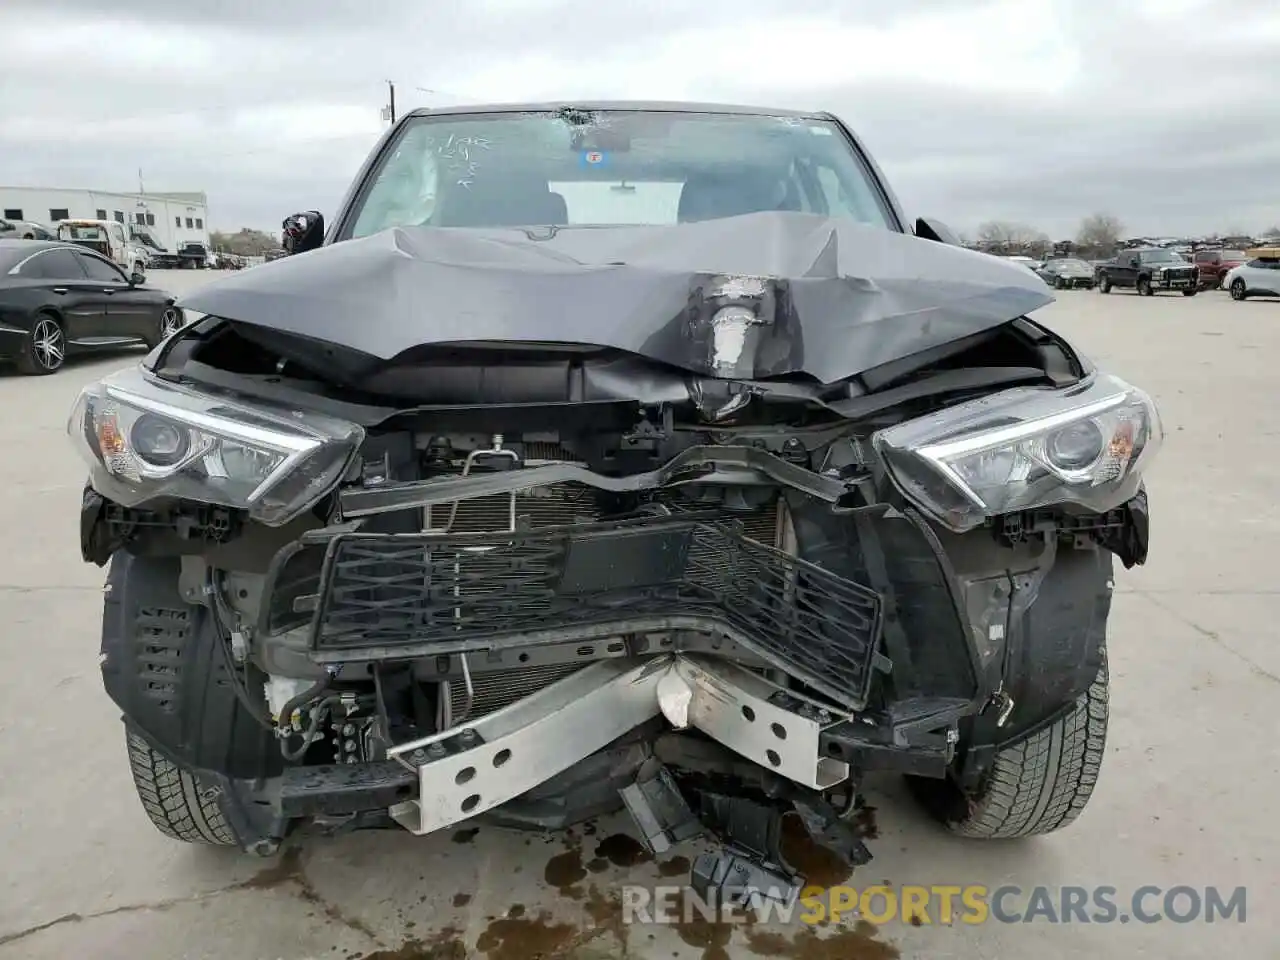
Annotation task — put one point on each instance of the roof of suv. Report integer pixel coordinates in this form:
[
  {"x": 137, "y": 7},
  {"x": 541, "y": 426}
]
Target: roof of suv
[{"x": 657, "y": 106}]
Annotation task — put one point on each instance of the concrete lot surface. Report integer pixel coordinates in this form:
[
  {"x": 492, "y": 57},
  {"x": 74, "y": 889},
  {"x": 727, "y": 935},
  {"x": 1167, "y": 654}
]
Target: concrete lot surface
[{"x": 1185, "y": 797}]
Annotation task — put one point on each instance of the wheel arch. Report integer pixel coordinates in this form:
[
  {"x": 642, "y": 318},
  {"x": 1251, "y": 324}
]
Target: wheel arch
[{"x": 162, "y": 667}]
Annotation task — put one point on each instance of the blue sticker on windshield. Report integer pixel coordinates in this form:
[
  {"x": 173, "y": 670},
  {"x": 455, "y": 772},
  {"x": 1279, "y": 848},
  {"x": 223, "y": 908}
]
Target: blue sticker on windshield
[{"x": 594, "y": 158}]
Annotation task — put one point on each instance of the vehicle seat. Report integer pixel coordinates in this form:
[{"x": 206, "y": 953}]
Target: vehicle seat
[
  {"x": 501, "y": 201},
  {"x": 712, "y": 196}
]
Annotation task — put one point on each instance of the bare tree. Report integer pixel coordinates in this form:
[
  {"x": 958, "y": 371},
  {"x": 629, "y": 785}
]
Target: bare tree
[
  {"x": 994, "y": 233},
  {"x": 998, "y": 236},
  {"x": 1100, "y": 233}
]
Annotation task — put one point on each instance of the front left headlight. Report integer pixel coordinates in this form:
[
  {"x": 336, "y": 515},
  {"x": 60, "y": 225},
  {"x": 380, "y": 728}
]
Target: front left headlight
[
  {"x": 146, "y": 439},
  {"x": 1023, "y": 449}
]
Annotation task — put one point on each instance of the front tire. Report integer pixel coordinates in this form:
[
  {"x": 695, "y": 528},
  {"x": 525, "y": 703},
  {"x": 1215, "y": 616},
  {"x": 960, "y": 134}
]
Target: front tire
[
  {"x": 1037, "y": 785},
  {"x": 1191, "y": 292},
  {"x": 1104, "y": 285},
  {"x": 175, "y": 801},
  {"x": 1238, "y": 291},
  {"x": 46, "y": 349},
  {"x": 1144, "y": 287}
]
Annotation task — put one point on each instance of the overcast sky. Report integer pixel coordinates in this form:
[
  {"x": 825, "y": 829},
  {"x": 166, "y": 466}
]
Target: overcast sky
[{"x": 1161, "y": 112}]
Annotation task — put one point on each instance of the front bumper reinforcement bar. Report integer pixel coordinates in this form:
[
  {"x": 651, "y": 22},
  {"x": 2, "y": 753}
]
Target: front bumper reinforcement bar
[{"x": 468, "y": 770}]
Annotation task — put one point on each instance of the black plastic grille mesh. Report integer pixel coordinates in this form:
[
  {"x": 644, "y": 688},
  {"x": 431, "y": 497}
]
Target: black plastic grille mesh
[{"x": 395, "y": 589}]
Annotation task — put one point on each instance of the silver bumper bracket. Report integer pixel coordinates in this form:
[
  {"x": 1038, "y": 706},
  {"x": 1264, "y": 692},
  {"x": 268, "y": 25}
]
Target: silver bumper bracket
[{"x": 466, "y": 771}]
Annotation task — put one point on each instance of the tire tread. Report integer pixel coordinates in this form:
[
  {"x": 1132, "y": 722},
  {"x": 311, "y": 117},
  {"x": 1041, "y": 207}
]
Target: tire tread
[
  {"x": 1043, "y": 783},
  {"x": 175, "y": 801}
]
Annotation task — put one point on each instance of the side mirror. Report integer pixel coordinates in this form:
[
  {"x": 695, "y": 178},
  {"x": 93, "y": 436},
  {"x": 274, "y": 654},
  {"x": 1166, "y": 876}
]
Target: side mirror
[
  {"x": 302, "y": 232},
  {"x": 936, "y": 230},
  {"x": 136, "y": 279}
]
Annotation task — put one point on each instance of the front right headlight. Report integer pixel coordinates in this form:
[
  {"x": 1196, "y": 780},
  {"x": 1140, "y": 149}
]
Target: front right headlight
[
  {"x": 1023, "y": 449},
  {"x": 147, "y": 439}
]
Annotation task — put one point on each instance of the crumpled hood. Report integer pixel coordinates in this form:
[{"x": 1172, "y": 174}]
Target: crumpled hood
[{"x": 837, "y": 298}]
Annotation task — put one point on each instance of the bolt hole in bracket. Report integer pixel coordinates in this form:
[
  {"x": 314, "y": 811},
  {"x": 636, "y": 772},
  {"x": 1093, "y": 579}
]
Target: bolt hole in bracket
[{"x": 500, "y": 756}]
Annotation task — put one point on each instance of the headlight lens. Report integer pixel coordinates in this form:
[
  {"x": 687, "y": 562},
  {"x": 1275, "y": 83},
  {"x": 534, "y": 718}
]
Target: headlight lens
[
  {"x": 1023, "y": 449},
  {"x": 145, "y": 439}
]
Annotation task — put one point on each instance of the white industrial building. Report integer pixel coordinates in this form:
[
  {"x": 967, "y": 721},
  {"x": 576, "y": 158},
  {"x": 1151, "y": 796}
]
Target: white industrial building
[{"x": 170, "y": 219}]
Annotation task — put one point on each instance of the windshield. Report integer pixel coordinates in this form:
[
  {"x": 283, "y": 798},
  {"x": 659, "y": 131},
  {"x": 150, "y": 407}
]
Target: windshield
[
  {"x": 612, "y": 168},
  {"x": 1233, "y": 255},
  {"x": 1071, "y": 265},
  {"x": 75, "y": 231},
  {"x": 1160, "y": 256}
]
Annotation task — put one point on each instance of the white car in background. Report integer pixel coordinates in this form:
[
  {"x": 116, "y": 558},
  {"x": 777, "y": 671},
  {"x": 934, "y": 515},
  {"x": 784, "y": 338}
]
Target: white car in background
[{"x": 1259, "y": 276}]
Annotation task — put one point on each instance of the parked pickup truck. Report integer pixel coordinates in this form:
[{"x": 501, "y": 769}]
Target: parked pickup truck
[
  {"x": 1149, "y": 270},
  {"x": 1214, "y": 265}
]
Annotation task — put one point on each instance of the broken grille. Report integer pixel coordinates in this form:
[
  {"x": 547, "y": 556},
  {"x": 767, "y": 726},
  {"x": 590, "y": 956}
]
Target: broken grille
[{"x": 420, "y": 594}]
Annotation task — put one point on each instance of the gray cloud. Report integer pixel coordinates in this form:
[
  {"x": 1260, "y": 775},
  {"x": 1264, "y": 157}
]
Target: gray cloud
[{"x": 1157, "y": 117}]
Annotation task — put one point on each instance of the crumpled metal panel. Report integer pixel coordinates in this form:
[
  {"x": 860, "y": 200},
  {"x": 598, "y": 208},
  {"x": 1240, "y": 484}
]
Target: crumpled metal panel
[{"x": 837, "y": 297}]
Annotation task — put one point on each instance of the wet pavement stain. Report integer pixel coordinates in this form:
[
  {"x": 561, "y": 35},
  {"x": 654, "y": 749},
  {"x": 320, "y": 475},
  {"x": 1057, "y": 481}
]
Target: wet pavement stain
[
  {"x": 465, "y": 836},
  {"x": 605, "y": 911},
  {"x": 857, "y": 943},
  {"x": 289, "y": 870},
  {"x": 461, "y": 899},
  {"x": 818, "y": 865},
  {"x": 675, "y": 867},
  {"x": 710, "y": 936},
  {"x": 623, "y": 851},
  {"x": 516, "y": 911},
  {"x": 564, "y": 870},
  {"x": 598, "y": 865},
  {"x": 525, "y": 938},
  {"x": 446, "y": 944},
  {"x": 864, "y": 823}
]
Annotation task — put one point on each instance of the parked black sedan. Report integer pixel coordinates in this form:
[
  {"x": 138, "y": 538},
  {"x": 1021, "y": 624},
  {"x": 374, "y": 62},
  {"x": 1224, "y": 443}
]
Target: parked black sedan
[
  {"x": 57, "y": 298},
  {"x": 1064, "y": 273}
]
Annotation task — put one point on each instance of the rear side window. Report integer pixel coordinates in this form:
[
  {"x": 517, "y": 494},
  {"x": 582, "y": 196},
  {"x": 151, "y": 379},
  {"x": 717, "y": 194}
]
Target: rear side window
[{"x": 52, "y": 265}]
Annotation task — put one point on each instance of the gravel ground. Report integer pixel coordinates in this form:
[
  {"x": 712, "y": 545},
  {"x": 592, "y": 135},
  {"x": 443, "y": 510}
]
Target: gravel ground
[{"x": 1182, "y": 799}]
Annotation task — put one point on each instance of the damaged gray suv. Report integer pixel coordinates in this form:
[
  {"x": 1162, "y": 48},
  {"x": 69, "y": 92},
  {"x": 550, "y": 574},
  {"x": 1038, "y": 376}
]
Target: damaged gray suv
[{"x": 613, "y": 455}]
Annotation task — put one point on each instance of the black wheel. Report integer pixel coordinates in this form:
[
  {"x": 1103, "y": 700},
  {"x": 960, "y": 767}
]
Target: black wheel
[
  {"x": 1238, "y": 291},
  {"x": 1144, "y": 287},
  {"x": 1058, "y": 284},
  {"x": 175, "y": 800},
  {"x": 1190, "y": 292},
  {"x": 1104, "y": 285},
  {"x": 1037, "y": 785},
  {"x": 46, "y": 347}
]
